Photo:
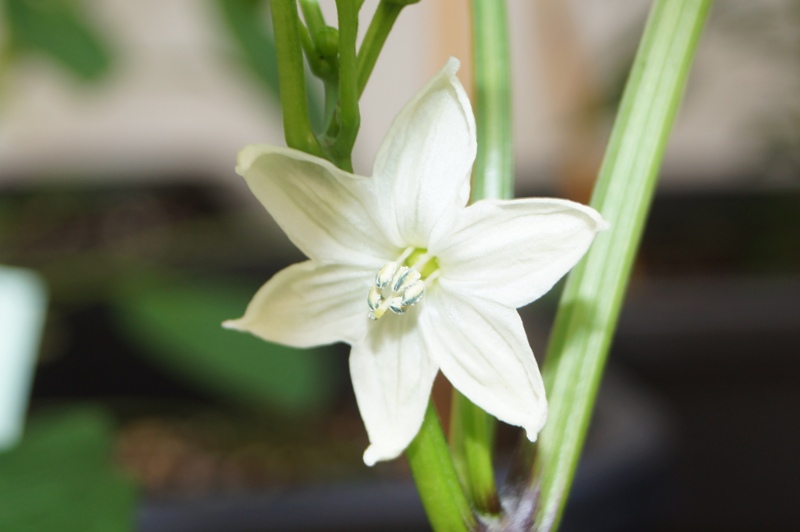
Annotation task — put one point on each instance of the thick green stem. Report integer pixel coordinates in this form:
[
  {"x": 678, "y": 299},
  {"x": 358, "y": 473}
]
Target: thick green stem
[
  {"x": 592, "y": 298},
  {"x": 472, "y": 429},
  {"x": 291, "y": 78},
  {"x": 437, "y": 482},
  {"x": 377, "y": 32}
]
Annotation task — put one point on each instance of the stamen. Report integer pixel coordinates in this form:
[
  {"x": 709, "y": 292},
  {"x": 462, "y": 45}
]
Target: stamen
[
  {"x": 404, "y": 277},
  {"x": 421, "y": 262},
  {"x": 413, "y": 293},
  {"x": 385, "y": 274},
  {"x": 398, "y": 286},
  {"x": 374, "y": 298},
  {"x": 396, "y": 305}
]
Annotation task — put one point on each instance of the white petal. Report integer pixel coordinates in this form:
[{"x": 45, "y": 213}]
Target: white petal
[
  {"x": 306, "y": 305},
  {"x": 328, "y": 213},
  {"x": 514, "y": 251},
  {"x": 423, "y": 166},
  {"x": 482, "y": 349},
  {"x": 392, "y": 378}
]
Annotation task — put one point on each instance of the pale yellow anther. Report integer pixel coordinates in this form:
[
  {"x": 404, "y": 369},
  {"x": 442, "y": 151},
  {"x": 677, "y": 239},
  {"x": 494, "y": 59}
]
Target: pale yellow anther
[
  {"x": 398, "y": 286},
  {"x": 385, "y": 274}
]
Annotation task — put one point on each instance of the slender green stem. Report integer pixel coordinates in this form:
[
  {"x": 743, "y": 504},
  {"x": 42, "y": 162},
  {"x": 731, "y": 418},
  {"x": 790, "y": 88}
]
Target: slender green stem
[
  {"x": 310, "y": 49},
  {"x": 472, "y": 438},
  {"x": 591, "y": 301},
  {"x": 347, "y": 115},
  {"x": 314, "y": 19},
  {"x": 291, "y": 78},
  {"x": 437, "y": 482},
  {"x": 377, "y": 32},
  {"x": 493, "y": 175},
  {"x": 472, "y": 429}
]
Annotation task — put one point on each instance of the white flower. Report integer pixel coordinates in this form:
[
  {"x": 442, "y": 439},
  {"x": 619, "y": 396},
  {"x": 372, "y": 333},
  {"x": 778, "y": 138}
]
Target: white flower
[{"x": 400, "y": 268}]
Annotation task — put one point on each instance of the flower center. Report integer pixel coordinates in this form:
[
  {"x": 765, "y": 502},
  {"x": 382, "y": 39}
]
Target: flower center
[{"x": 401, "y": 284}]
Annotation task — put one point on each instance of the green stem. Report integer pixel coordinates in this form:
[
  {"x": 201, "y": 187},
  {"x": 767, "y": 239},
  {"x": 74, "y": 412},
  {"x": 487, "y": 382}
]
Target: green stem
[
  {"x": 472, "y": 438},
  {"x": 377, "y": 32},
  {"x": 291, "y": 78},
  {"x": 472, "y": 429},
  {"x": 315, "y": 63},
  {"x": 437, "y": 482},
  {"x": 314, "y": 19},
  {"x": 493, "y": 175},
  {"x": 591, "y": 301},
  {"x": 347, "y": 118}
]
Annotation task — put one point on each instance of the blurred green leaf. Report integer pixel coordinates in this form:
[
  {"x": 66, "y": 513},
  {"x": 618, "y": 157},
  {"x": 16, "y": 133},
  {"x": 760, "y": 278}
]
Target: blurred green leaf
[
  {"x": 179, "y": 324},
  {"x": 60, "y": 477},
  {"x": 58, "y": 28}
]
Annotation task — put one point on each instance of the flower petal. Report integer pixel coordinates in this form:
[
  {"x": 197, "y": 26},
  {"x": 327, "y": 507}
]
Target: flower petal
[
  {"x": 392, "y": 378},
  {"x": 423, "y": 166},
  {"x": 482, "y": 349},
  {"x": 306, "y": 305},
  {"x": 514, "y": 251},
  {"x": 328, "y": 213}
]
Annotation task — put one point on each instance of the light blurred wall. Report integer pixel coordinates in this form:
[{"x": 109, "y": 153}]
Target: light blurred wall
[{"x": 178, "y": 102}]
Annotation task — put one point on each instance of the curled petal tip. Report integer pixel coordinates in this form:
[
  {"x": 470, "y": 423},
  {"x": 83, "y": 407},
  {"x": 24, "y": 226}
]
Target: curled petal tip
[
  {"x": 375, "y": 454},
  {"x": 234, "y": 325},
  {"x": 371, "y": 456},
  {"x": 452, "y": 65}
]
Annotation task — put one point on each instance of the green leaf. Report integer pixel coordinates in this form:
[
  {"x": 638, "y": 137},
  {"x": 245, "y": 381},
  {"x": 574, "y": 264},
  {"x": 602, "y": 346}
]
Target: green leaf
[
  {"x": 59, "y": 29},
  {"x": 60, "y": 477},
  {"x": 592, "y": 298},
  {"x": 179, "y": 325}
]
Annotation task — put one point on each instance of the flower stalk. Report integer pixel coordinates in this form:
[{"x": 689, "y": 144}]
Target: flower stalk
[
  {"x": 472, "y": 429},
  {"x": 291, "y": 79},
  {"x": 346, "y": 118},
  {"x": 591, "y": 301},
  {"x": 379, "y": 28},
  {"x": 436, "y": 479}
]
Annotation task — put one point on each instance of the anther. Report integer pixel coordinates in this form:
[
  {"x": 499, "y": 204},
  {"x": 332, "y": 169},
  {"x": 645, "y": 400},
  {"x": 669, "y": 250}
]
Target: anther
[
  {"x": 413, "y": 293},
  {"x": 374, "y": 298},
  {"x": 397, "y": 286},
  {"x": 396, "y": 305},
  {"x": 404, "y": 277},
  {"x": 385, "y": 274}
]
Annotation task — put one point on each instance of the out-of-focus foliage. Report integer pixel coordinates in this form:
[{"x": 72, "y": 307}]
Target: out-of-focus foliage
[
  {"x": 180, "y": 324},
  {"x": 60, "y": 477},
  {"x": 61, "y": 30}
]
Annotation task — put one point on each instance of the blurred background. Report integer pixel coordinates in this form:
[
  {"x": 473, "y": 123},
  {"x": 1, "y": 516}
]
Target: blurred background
[{"x": 119, "y": 126}]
